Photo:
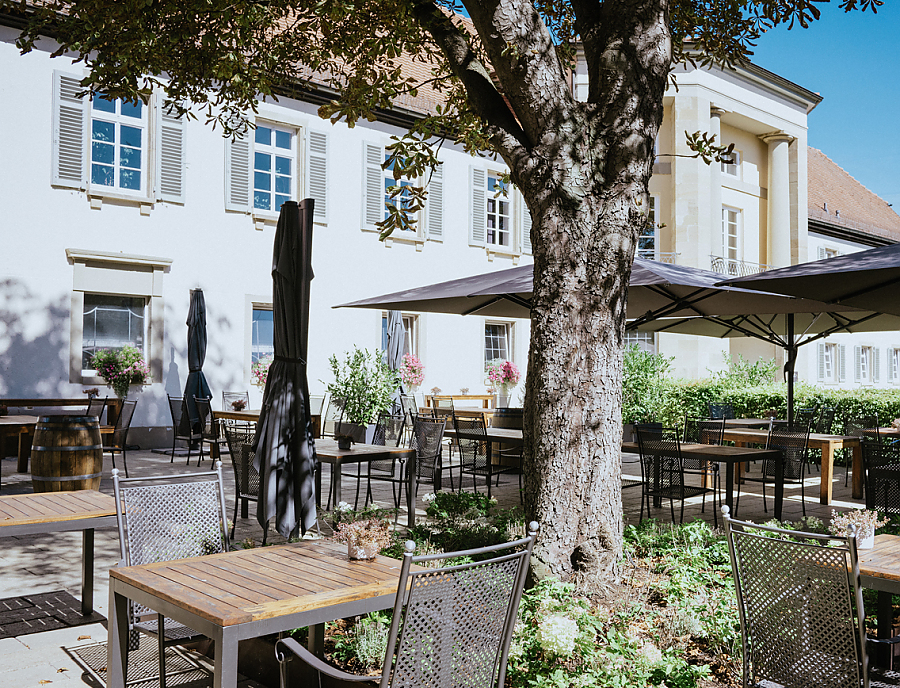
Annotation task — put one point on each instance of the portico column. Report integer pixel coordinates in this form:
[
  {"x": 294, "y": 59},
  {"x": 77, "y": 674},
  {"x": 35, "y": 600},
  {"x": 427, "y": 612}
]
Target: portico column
[
  {"x": 779, "y": 203},
  {"x": 715, "y": 189}
]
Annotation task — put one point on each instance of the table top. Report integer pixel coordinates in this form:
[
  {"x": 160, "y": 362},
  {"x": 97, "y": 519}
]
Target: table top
[
  {"x": 882, "y": 561},
  {"x": 718, "y": 452},
  {"x": 885, "y": 432},
  {"x": 264, "y": 582},
  {"x": 746, "y": 422},
  {"x": 327, "y": 451},
  {"x": 508, "y": 435},
  {"x": 816, "y": 440},
  {"x": 54, "y": 507},
  {"x": 247, "y": 415},
  {"x": 19, "y": 420}
]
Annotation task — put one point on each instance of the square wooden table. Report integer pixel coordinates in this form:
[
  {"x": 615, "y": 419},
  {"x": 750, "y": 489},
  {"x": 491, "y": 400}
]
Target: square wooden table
[
  {"x": 826, "y": 443},
  {"x": 248, "y": 593},
  {"x": 56, "y": 512},
  {"x": 879, "y": 569}
]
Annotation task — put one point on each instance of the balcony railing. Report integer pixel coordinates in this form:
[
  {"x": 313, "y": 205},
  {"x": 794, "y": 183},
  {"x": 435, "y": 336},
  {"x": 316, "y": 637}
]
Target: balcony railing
[
  {"x": 661, "y": 257},
  {"x": 736, "y": 268}
]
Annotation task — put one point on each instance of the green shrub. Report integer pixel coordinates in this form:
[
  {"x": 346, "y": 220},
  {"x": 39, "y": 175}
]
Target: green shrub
[
  {"x": 365, "y": 382},
  {"x": 643, "y": 389}
]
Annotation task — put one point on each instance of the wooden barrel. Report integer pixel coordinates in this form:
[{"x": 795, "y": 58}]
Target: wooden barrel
[
  {"x": 507, "y": 417},
  {"x": 67, "y": 454}
]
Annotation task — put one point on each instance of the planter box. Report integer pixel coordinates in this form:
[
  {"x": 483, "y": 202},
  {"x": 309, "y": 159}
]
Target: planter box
[{"x": 361, "y": 434}]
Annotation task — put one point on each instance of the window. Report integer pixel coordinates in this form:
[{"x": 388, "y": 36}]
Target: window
[
  {"x": 274, "y": 167},
  {"x": 824, "y": 252},
  {"x": 867, "y": 364},
  {"x": 497, "y": 211},
  {"x": 118, "y": 144},
  {"x": 731, "y": 233},
  {"x": 829, "y": 358},
  {"x": 404, "y": 200},
  {"x": 262, "y": 334},
  {"x": 645, "y": 341},
  {"x": 733, "y": 169},
  {"x": 646, "y": 247},
  {"x": 111, "y": 322},
  {"x": 410, "y": 327},
  {"x": 496, "y": 341},
  {"x": 895, "y": 366}
]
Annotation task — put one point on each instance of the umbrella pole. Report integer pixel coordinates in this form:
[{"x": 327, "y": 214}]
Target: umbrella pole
[{"x": 789, "y": 368}]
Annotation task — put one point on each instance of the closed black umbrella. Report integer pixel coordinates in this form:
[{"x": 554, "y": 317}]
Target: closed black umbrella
[
  {"x": 196, "y": 385},
  {"x": 396, "y": 343},
  {"x": 285, "y": 454}
]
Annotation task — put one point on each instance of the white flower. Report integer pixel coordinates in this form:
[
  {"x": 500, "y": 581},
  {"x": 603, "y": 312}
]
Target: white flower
[
  {"x": 343, "y": 507},
  {"x": 429, "y": 498},
  {"x": 557, "y": 633},
  {"x": 651, "y": 653}
]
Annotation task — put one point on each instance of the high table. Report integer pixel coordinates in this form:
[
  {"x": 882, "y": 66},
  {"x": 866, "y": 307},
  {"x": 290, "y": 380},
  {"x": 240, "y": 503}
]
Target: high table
[
  {"x": 730, "y": 456},
  {"x": 56, "y": 512},
  {"x": 327, "y": 452},
  {"x": 826, "y": 443},
  {"x": 248, "y": 593},
  {"x": 879, "y": 569}
]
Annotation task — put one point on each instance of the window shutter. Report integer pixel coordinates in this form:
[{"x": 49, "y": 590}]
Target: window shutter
[
  {"x": 373, "y": 186},
  {"x": 317, "y": 173},
  {"x": 821, "y": 351},
  {"x": 821, "y": 253},
  {"x": 170, "y": 131},
  {"x": 526, "y": 225},
  {"x": 237, "y": 173},
  {"x": 877, "y": 367},
  {"x": 842, "y": 352},
  {"x": 478, "y": 184},
  {"x": 436, "y": 204},
  {"x": 857, "y": 355},
  {"x": 70, "y": 133}
]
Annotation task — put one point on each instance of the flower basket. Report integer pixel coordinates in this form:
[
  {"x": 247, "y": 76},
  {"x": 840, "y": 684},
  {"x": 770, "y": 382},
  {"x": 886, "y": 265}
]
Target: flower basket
[
  {"x": 121, "y": 368},
  {"x": 863, "y": 521},
  {"x": 366, "y": 532}
]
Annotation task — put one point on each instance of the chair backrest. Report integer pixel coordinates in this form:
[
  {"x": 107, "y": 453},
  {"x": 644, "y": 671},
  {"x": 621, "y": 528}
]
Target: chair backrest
[
  {"x": 474, "y": 449},
  {"x": 333, "y": 417},
  {"x": 703, "y": 430},
  {"x": 181, "y": 419},
  {"x": 882, "y": 476},
  {"x": 854, "y": 426},
  {"x": 240, "y": 445},
  {"x": 316, "y": 404},
  {"x": 807, "y": 416},
  {"x": 457, "y": 621},
  {"x": 228, "y": 399},
  {"x": 792, "y": 440},
  {"x": 442, "y": 407},
  {"x": 720, "y": 410},
  {"x": 123, "y": 422},
  {"x": 800, "y": 606},
  {"x": 388, "y": 430},
  {"x": 427, "y": 436},
  {"x": 826, "y": 421},
  {"x": 207, "y": 422},
  {"x": 95, "y": 406},
  {"x": 170, "y": 517},
  {"x": 660, "y": 452}
]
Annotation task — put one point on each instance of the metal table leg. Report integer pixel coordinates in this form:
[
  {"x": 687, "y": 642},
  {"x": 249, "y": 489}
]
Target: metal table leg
[
  {"x": 116, "y": 650},
  {"x": 87, "y": 571}
]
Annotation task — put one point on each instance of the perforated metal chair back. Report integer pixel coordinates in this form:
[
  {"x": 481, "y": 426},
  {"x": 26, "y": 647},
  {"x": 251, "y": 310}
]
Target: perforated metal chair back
[
  {"x": 333, "y": 417},
  {"x": 170, "y": 517},
  {"x": 800, "y": 606},
  {"x": 701, "y": 431},
  {"x": 660, "y": 446},
  {"x": 240, "y": 446},
  {"x": 792, "y": 441},
  {"x": 473, "y": 450},
  {"x": 95, "y": 406},
  {"x": 854, "y": 427},
  {"x": 457, "y": 621},
  {"x": 807, "y": 417},
  {"x": 228, "y": 399},
  {"x": 123, "y": 423},
  {"x": 388, "y": 433},
  {"x": 426, "y": 439},
  {"x": 208, "y": 428},
  {"x": 826, "y": 421},
  {"x": 181, "y": 423},
  {"x": 442, "y": 407},
  {"x": 882, "y": 474},
  {"x": 719, "y": 410}
]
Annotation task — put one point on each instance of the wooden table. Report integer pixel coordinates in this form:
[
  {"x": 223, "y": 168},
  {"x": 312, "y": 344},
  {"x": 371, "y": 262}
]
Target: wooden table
[
  {"x": 511, "y": 436},
  {"x": 747, "y": 423},
  {"x": 730, "y": 456},
  {"x": 485, "y": 400},
  {"x": 248, "y": 593},
  {"x": 56, "y": 512},
  {"x": 327, "y": 452},
  {"x": 252, "y": 416},
  {"x": 21, "y": 427},
  {"x": 879, "y": 569},
  {"x": 826, "y": 443}
]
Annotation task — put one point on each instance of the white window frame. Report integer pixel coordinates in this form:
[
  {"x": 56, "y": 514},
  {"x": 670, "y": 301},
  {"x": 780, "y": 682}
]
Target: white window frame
[
  {"x": 830, "y": 363},
  {"x": 510, "y": 330},
  {"x": 738, "y": 234},
  {"x": 652, "y": 210},
  {"x": 895, "y": 366},
  {"x": 271, "y": 150},
  {"x": 734, "y": 169},
  {"x": 118, "y": 120},
  {"x": 646, "y": 341},
  {"x": 492, "y": 199},
  {"x": 418, "y": 231},
  {"x": 410, "y": 326},
  {"x": 258, "y": 307},
  {"x": 145, "y": 327}
]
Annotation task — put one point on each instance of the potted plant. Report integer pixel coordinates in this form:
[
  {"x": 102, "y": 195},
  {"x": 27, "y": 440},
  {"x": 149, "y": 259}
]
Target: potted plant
[
  {"x": 864, "y": 520},
  {"x": 502, "y": 376},
  {"x": 343, "y": 440},
  {"x": 366, "y": 532},
  {"x": 365, "y": 384},
  {"x": 121, "y": 368}
]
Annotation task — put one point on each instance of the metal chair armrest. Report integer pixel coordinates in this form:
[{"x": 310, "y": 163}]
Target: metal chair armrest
[{"x": 298, "y": 650}]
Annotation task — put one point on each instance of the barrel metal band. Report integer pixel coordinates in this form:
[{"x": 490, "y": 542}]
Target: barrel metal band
[
  {"x": 65, "y": 478},
  {"x": 89, "y": 447}
]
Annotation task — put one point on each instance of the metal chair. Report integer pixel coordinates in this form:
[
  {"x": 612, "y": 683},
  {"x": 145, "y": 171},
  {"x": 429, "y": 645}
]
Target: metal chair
[
  {"x": 457, "y": 621},
  {"x": 475, "y": 456},
  {"x": 182, "y": 428},
  {"x": 389, "y": 432},
  {"x": 229, "y": 399},
  {"x": 441, "y": 407},
  {"x": 209, "y": 429},
  {"x": 719, "y": 410},
  {"x": 333, "y": 417},
  {"x": 427, "y": 438},
  {"x": 882, "y": 476},
  {"x": 801, "y": 607},
  {"x": 792, "y": 441},
  {"x": 246, "y": 477},
  {"x": 118, "y": 440},
  {"x": 95, "y": 406},
  {"x": 704, "y": 431},
  {"x": 165, "y": 518},
  {"x": 826, "y": 421},
  {"x": 853, "y": 427},
  {"x": 662, "y": 471}
]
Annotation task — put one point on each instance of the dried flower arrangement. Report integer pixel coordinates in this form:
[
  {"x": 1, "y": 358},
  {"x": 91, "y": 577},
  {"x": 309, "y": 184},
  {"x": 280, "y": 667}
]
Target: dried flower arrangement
[
  {"x": 238, "y": 404},
  {"x": 865, "y": 521},
  {"x": 365, "y": 532}
]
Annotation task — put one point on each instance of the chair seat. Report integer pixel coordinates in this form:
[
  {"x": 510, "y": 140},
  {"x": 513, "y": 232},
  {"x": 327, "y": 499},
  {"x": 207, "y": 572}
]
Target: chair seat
[
  {"x": 883, "y": 678},
  {"x": 174, "y": 630},
  {"x": 677, "y": 492}
]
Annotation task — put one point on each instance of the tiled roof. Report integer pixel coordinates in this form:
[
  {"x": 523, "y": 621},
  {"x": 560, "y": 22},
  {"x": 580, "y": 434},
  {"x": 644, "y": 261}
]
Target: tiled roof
[{"x": 836, "y": 198}]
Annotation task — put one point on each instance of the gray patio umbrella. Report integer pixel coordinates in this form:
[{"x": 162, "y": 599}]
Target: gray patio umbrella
[
  {"x": 396, "y": 342},
  {"x": 869, "y": 280},
  {"x": 285, "y": 454},
  {"x": 196, "y": 385}
]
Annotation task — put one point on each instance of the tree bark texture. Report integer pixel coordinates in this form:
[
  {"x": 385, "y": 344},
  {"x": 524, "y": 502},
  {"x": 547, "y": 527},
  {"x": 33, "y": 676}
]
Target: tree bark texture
[{"x": 583, "y": 169}]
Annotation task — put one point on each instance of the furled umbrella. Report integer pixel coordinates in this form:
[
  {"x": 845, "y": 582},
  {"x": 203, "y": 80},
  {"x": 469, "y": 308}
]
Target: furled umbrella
[
  {"x": 285, "y": 454},
  {"x": 396, "y": 343},
  {"x": 196, "y": 385}
]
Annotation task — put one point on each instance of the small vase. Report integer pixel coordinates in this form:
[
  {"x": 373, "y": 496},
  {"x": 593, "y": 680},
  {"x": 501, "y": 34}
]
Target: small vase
[
  {"x": 357, "y": 551},
  {"x": 867, "y": 542}
]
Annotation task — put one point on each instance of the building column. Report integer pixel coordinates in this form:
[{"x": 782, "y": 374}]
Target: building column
[
  {"x": 715, "y": 189},
  {"x": 778, "y": 226}
]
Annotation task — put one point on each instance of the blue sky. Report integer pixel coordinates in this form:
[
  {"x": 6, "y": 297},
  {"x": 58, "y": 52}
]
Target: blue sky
[{"x": 853, "y": 61}]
